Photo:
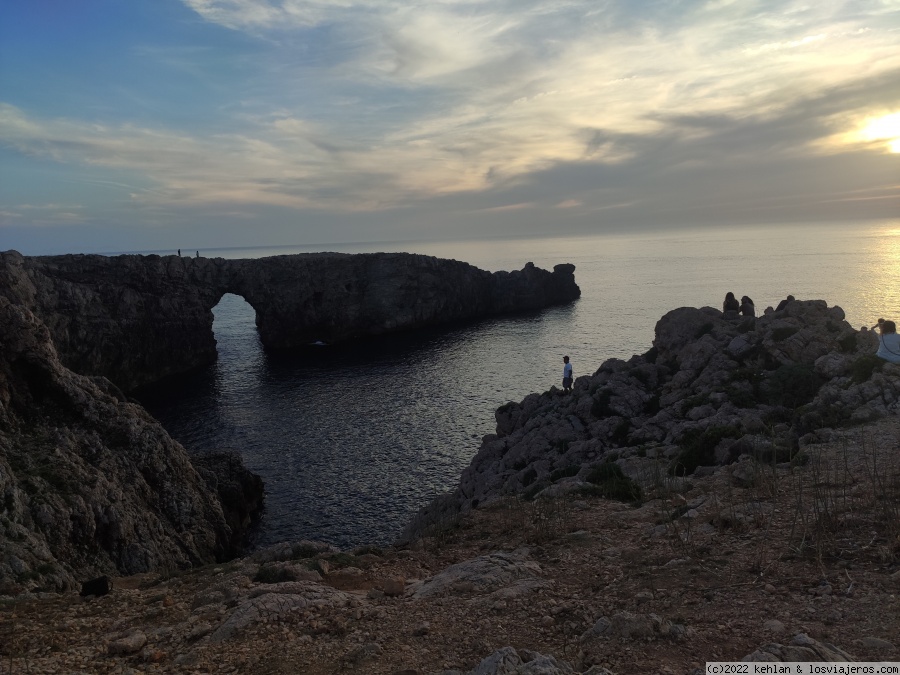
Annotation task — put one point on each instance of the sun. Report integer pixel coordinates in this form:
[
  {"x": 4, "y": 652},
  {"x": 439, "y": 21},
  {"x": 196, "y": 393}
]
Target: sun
[{"x": 886, "y": 128}]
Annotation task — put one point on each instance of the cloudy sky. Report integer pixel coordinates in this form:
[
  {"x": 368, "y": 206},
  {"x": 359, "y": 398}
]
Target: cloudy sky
[{"x": 153, "y": 124}]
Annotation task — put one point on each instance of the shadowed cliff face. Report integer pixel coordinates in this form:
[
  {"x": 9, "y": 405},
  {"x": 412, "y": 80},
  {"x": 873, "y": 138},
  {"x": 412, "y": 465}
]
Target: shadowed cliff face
[
  {"x": 137, "y": 319},
  {"x": 90, "y": 483}
]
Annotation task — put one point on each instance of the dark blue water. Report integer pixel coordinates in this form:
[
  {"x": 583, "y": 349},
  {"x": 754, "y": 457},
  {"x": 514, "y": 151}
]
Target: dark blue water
[{"x": 352, "y": 440}]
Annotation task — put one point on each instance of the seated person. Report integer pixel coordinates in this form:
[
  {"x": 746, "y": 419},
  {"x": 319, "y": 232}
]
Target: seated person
[
  {"x": 747, "y": 307},
  {"x": 784, "y": 303},
  {"x": 888, "y": 342},
  {"x": 731, "y": 304}
]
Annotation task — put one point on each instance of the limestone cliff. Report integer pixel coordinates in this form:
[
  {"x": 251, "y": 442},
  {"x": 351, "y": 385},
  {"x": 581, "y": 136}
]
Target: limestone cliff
[
  {"x": 711, "y": 391},
  {"x": 136, "y": 319},
  {"x": 90, "y": 483}
]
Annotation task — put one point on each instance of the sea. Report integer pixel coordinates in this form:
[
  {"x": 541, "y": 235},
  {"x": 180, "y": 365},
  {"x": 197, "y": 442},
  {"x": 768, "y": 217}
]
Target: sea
[{"x": 351, "y": 440}]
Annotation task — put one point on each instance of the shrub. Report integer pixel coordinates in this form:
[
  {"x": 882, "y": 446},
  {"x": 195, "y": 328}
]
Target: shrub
[
  {"x": 566, "y": 472},
  {"x": 703, "y": 330},
  {"x": 698, "y": 448},
  {"x": 608, "y": 481},
  {"x": 848, "y": 343},
  {"x": 792, "y": 385},
  {"x": 862, "y": 369},
  {"x": 529, "y": 477},
  {"x": 619, "y": 435},
  {"x": 783, "y": 333},
  {"x": 274, "y": 575},
  {"x": 600, "y": 408},
  {"x": 650, "y": 356},
  {"x": 562, "y": 447},
  {"x": 652, "y": 406}
]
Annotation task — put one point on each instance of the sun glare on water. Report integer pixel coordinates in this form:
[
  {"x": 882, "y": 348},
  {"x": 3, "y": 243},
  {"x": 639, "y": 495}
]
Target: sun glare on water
[{"x": 886, "y": 128}]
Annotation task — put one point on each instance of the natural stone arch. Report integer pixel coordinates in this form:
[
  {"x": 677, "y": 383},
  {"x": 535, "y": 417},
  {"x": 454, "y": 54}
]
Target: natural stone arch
[{"x": 137, "y": 319}]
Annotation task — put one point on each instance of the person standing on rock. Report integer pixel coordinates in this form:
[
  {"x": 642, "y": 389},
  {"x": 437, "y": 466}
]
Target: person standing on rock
[{"x": 567, "y": 375}]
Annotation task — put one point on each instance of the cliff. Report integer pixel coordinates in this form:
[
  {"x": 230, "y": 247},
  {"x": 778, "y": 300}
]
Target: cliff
[
  {"x": 710, "y": 391},
  {"x": 136, "y": 319},
  {"x": 91, "y": 484}
]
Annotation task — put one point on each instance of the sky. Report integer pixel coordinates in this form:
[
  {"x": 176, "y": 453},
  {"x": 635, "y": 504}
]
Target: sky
[{"x": 163, "y": 124}]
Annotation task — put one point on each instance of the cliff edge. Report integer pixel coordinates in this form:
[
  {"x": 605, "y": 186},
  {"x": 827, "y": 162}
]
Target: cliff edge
[{"x": 90, "y": 483}]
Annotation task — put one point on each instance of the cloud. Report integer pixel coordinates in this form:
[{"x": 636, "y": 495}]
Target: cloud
[{"x": 423, "y": 102}]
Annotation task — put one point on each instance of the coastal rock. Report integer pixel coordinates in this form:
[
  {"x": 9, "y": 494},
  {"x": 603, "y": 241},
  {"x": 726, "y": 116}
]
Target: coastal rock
[
  {"x": 711, "y": 391},
  {"x": 137, "y": 319},
  {"x": 508, "y": 661},
  {"x": 801, "y": 648},
  {"x": 482, "y": 575},
  {"x": 91, "y": 484}
]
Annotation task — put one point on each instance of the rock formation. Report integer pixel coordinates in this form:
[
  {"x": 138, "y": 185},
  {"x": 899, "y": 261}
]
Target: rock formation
[
  {"x": 136, "y": 319},
  {"x": 91, "y": 484},
  {"x": 710, "y": 391}
]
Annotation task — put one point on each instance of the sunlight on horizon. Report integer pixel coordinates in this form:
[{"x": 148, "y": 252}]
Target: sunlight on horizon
[{"x": 885, "y": 128}]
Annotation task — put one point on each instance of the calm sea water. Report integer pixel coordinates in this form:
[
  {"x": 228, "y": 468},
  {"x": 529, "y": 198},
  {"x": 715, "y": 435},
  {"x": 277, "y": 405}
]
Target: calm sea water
[{"x": 352, "y": 440}]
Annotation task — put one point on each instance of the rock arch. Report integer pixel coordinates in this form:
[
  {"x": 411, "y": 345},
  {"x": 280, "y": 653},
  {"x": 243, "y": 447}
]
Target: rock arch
[{"x": 137, "y": 319}]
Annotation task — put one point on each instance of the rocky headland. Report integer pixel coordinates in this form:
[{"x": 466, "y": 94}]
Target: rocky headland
[
  {"x": 91, "y": 484},
  {"x": 733, "y": 493},
  {"x": 136, "y": 319}
]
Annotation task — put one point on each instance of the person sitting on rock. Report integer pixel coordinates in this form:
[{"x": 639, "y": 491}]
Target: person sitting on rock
[
  {"x": 784, "y": 303},
  {"x": 567, "y": 375},
  {"x": 888, "y": 342},
  {"x": 747, "y": 307},
  {"x": 731, "y": 306}
]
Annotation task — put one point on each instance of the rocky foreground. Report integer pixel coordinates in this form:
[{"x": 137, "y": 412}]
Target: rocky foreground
[{"x": 798, "y": 563}]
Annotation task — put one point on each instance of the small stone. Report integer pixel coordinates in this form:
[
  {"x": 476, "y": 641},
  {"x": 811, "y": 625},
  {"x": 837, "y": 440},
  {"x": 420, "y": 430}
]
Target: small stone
[
  {"x": 876, "y": 643},
  {"x": 547, "y": 621},
  {"x": 769, "y": 588},
  {"x": 774, "y": 626},
  {"x": 643, "y": 596},
  {"x": 130, "y": 644},
  {"x": 375, "y": 594},
  {"x": 394, "y": 586},
  {"x": 422, "y": 629},
  {"x": 168, "y": 601}
]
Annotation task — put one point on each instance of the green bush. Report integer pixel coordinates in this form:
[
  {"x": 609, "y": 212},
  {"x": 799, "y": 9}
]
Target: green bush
[
  {"x": 848, "y": 343},
  {"x": 566, "y": 472},
  {"x": 703, "y": 330},
  {"x": 792, "y": 385},
  {"x": 619, "y": 435},
  {"x": 608, "y": 480},
  {"x": 600, "y": 408},
  {"x": 862, "y": 369},
  {"x": 274, "y": 575},
  {"x": 698, "y": 448},
  {"x": 784, "y": 333}
]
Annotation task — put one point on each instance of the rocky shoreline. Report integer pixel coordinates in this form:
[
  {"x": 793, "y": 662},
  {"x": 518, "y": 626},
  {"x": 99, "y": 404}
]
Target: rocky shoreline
[
  {"x": 710, "y": 391},
  {"x": 138, "y": 319}
]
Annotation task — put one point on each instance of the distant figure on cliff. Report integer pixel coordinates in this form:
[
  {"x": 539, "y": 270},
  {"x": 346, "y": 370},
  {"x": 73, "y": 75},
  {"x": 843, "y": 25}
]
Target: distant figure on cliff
[
  {"x": 179, "y": 253},
  {"x": 747, "y": 307},
  {"x": 784, "y": 303},
  {"x": 567, "y": 375},
  {"x": 198, "y": 254},
  {"x": 888, "y": 342},
  {"x": 731, "y": 306}
]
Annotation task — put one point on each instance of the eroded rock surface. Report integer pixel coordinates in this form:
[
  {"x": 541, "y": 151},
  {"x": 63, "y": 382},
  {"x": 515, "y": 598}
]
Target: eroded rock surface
[
  {"x": 136, "y": 319},
  {"x": 90, "y": 483},
  {"x": 711, "y": 391}
]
